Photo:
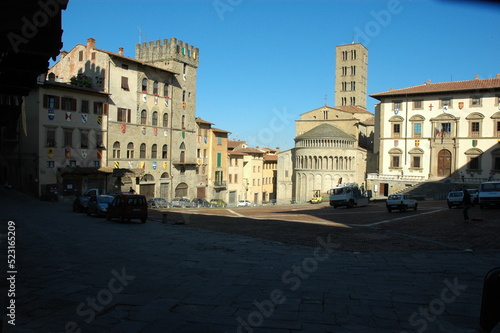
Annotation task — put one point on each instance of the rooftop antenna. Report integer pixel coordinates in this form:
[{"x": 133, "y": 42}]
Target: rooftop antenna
[{"x": 326, "y": 97}]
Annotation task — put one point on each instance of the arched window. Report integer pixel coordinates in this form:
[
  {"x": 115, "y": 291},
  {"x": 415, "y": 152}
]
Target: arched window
[
  {"x": 116, "y": 150},
  {"x": 153, "y": 151},
  {"x": 154, "y": 121},
  {"x": 165, "y": 90},
  {"x": 145, "y": 85},
  {"x": 142, "y": 152},
  {"x": 130, "y": 150},
  {"x": 144, "y": 115},
  {"x": 165, "y": 119},
  {"x": 155, "y": 88},
  {"x": 164, "y": 151}
]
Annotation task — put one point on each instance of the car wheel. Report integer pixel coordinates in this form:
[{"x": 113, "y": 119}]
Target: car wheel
[
  {"x": 415, "y": 208},
  {"x": 389, "y": 209},
  {"x": 143, "y": 221},
  {"x": 405, "y": 207},
  {"x": 122, "y": 220},
  {"x": 108, "y": 217},
  {"x": 88, "y": 212}
]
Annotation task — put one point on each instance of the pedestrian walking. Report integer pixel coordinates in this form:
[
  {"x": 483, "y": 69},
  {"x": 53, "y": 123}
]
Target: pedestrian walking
[
  {"x": 490, "y": 176},
  {"x": 131, "y": 191},
  {"x": 466, "y": 202},
  {"x": 462, "y": 176}
]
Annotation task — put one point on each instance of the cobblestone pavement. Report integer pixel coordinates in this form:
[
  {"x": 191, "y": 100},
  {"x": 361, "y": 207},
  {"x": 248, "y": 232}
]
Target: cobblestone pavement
[{"x": 84, "y": 274}]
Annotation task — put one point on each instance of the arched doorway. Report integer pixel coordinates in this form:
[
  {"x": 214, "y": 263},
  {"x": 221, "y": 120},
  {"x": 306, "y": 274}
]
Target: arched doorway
[
  {"x": 444, "y": 163},
  {"x": 181, "y": 191}
]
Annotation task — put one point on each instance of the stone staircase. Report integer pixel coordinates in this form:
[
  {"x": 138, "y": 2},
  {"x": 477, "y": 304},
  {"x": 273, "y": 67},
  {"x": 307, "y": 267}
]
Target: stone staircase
[{"x": 436, "y": 190}]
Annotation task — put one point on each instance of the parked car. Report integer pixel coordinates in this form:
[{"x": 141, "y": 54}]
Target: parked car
[
  {"x": 455, "y": 198},
  {"x": 200, "y": 202},
  {"x": 158, "y": 203},
  {"x": 98, "y": 204},
  {"x": 182, "y": 202},
  {"x": 218, "y": 203},
  {"x": 128, "y": 207},
  {"x": 401, "y": 202},
  {"x": 80, "y": 203},
  {"x": 244, "y": 203}
]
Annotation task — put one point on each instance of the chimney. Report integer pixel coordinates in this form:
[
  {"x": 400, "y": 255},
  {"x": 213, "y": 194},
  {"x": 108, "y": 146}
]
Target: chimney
[
  {"x": 428, "y": 81},
  {"x": 63, "y": 54},
  {"x": 498, "y": 75},
  {"x": 476, "y": 77},
  {"x": 90, "y": 43},
  {"x": 120, "y": 51}
]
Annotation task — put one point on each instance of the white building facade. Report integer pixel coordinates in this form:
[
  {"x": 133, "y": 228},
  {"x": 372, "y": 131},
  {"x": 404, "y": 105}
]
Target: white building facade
[{"x": 436, "y": 131}]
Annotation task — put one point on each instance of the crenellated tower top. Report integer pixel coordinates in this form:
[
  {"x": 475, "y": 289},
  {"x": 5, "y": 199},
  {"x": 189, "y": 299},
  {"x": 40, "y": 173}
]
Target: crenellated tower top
[{"x": 160, "y": 53}]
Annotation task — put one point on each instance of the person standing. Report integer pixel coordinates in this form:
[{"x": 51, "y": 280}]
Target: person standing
[
  {"x": 466, "y": 202},
  {"x": 462, "y": 176}
]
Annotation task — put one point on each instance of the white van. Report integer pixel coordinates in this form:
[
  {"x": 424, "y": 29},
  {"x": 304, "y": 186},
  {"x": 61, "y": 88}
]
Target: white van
[{"x": 489, "y": 194}]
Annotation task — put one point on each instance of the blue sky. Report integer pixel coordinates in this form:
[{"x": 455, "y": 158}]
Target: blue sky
[{"x": 264, "y": 62}]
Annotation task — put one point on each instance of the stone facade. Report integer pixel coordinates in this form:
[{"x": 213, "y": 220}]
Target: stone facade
[
  {"x": 333, "y": 145},
  {"x": 351, "y": 75},
  {"x": 63, "y": 148},
  {"x": 151, "y": 123},
  {"x": 437, "y": 131}
]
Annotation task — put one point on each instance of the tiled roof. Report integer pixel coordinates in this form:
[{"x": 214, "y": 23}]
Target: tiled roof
[
  {"x": 348, "y": 108},
  {"x": 441, "y": 87},
  {"x": 270, "y": 157},
  {"x": 249, "y": 151},
  {"x": 324, "y": 131},
  {"x": 369, "y": 121},
  {"x": 136, "y": 61},
  {"x": 353, "y": 109},
  {"x": 201, "y": 121},
  {"x": 234, "y": 143},
  {"x": 218, "y": 130}
]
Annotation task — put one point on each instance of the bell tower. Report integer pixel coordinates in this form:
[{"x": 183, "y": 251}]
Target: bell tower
[{"x": 351, "y": 75}]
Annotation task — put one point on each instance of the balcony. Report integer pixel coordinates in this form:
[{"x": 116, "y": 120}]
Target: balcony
[
  {"x": 220, "y": 184},
  {"x": 185, "y": 161}
]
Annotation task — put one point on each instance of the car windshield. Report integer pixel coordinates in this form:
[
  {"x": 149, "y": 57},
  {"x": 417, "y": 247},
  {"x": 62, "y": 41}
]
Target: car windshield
[
  {"x": 104, "y": 199},
  {"x": 456, "y": 194},
  {"x": 394, "y": 197},
  {"x": 136, "y": 201}
]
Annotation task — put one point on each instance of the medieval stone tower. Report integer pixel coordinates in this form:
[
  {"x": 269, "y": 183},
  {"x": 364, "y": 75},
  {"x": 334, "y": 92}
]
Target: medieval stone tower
[
  {"x": 181, "y": 59},
  {"x": 351, "y": 74}
]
